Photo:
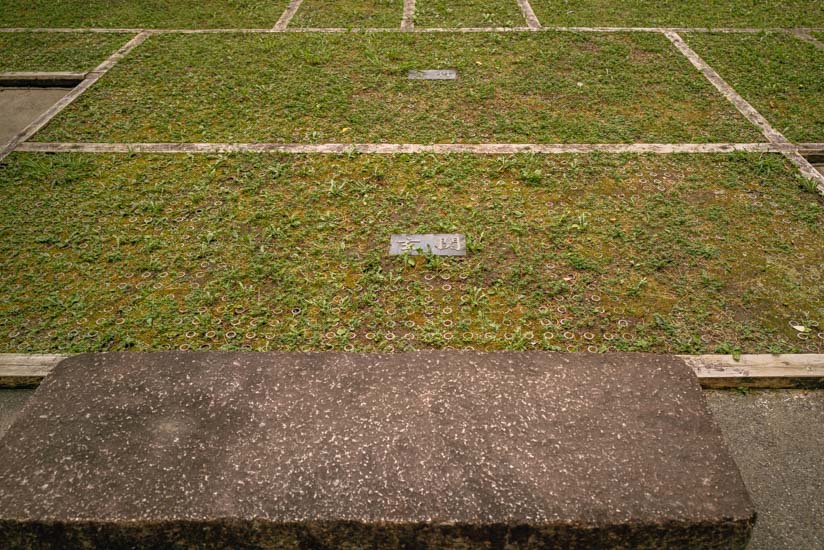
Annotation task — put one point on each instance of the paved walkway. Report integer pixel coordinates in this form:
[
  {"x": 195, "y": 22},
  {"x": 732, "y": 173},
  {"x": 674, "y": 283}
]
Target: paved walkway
[
  {"x": 777, "y": 439},
  {"x": 20, "y": 106}
]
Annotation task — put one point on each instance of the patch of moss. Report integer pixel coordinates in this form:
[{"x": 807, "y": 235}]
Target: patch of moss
[{"x": 659, "y": 253}]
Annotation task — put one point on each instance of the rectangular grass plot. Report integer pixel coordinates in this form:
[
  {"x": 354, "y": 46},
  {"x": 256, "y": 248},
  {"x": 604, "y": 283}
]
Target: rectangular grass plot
[
  {"x": 706, "y": 262},
  {"x": 591, "y": 88},
  {"x": 434, "y": 74},
  {"x": 449, "y": 244}
]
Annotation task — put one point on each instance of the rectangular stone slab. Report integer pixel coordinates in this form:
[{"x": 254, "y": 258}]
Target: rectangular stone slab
[
  {"x": 325, "y": 450},
  {"x": 437, "y": 244}
]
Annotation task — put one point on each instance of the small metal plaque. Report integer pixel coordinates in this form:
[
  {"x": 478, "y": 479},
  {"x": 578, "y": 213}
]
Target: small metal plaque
[
  {"x": 440, "y": 244},
  {"x": 438, "y": 74}
]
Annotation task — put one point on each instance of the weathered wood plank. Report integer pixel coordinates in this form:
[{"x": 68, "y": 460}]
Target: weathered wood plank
[
  {"x": 287, "y": 16},
  {"x": 529, "y": 15},
  {"x": 30, "y": 360},
  {"x": 408, "y": 21},
  {"x": 805, "y": 370},
  {"x": 397, "y": 148}
]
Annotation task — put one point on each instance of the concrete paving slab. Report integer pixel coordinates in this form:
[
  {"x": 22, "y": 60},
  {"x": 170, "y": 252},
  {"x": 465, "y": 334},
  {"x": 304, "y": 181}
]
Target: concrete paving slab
[
  {"x": 19, "y": 107},
  {"x": 434, "y": 449},
  {"x": 777, "y": 439}
]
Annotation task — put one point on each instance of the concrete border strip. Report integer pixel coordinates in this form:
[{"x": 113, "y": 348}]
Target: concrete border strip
[
  {"x": 531, "y": 19},
  {"x": 287, "y": 15},
  {"x": 91, "y": 78},
  {"x": 408, "y": 21},
  {"x": 395, "y": 148},
  {"x": 713, "y": 371},
  {"x": 744, "y": 107},
  {"x": 729, "y": 30}
]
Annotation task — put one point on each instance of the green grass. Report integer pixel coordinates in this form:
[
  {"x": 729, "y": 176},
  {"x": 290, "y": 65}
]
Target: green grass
[
  {"x": 524, "y": 87},
  {"x": 660, "y": 253},
  {"x": 189, "y": 14},
  {"x": 349, "y": 13},
  {"x": 63, "y": 52},
  {"x": 780, "y": 75},
  {"x": 468, "y": 13},
  {"x": 680, "y": 13}
]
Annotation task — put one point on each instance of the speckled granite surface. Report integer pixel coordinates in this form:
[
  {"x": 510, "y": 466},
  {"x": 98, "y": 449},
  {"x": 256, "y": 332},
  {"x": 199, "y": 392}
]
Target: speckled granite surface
[{"x": 431, "y": 449}]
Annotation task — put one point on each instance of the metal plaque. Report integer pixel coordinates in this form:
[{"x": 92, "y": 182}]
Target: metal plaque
[
  {"x": 440, "y": 244},
  {"x": 444, "y": 74}
]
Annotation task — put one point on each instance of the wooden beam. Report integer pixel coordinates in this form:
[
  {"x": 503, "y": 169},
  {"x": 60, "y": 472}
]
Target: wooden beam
[
  {"x": 803, "y": 370},
  {"x": 26, "y": 371}
]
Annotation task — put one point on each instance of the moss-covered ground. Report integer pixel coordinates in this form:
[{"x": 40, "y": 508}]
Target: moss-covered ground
[
  {"x": 660, "y": 253},
  {"x": 316, "y": 88}
]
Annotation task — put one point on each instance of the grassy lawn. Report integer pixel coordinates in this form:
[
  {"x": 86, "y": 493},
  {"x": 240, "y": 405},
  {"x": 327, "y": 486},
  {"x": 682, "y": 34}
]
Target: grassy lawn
[
  {"x": 302, "y": 88},
  {"x": 680, "y": 13},
  {"x": 667, "y": 253},
  {"x": 349, "y": 13},
  {"x": 468, "y": 13},
  {"x": 189, "y": 14},
  {"x": 75, "y": 52},
  {"x": 780, "y": 75}
]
